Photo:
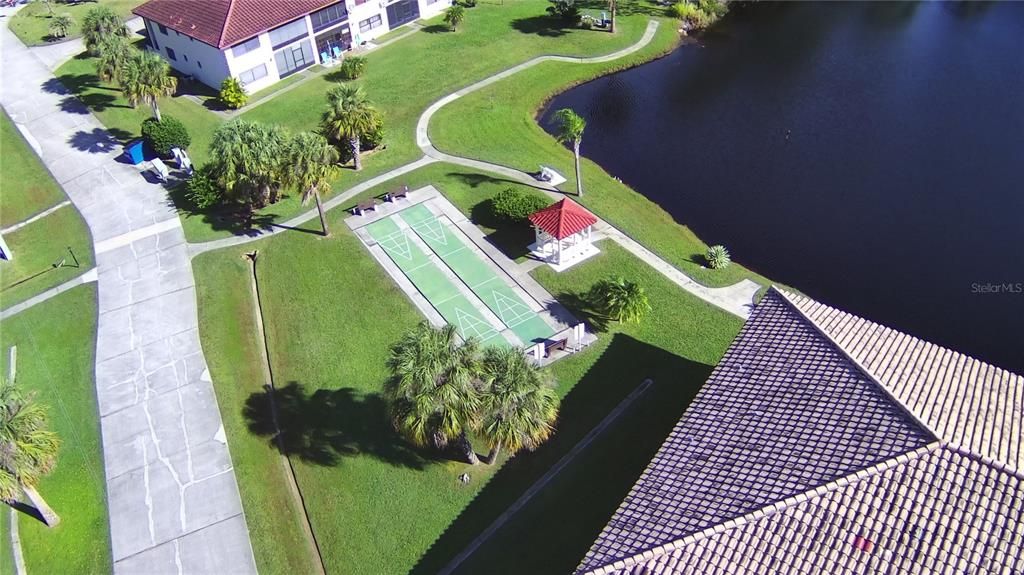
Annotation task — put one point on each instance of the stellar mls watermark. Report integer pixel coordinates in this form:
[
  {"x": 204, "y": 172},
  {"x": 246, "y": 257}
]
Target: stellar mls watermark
[{"x": 998, "y": 288}]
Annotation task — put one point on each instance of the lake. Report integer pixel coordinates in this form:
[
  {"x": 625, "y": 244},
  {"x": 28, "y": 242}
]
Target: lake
[{"x": 869, "y": 154}]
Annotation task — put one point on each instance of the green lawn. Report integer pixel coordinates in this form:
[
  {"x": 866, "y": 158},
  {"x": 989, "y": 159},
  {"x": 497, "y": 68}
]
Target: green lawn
[
  {"x": 56, "y": 349},
  {"x": 402, "y": 79},
  {"x": 37, "y": 247},
  {"x": 331, "y": 314},
  {"x": 32, "y": 23},
  {"x": 26, "y": 188}
]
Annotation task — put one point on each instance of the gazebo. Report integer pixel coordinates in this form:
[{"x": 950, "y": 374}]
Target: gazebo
[{"x": 564, "y": 233}]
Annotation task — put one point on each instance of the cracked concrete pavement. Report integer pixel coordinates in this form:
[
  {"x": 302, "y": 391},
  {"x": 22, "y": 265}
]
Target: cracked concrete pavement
[{"x": 173, "y": 502}]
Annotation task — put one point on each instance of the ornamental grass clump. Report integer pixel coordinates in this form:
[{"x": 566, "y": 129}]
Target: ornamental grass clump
[
  {"x": 619, "y": 299},
  {"x": 718, "y": 257}
]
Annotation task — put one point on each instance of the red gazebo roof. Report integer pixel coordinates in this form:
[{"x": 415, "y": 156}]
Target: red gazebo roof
[{"x": 563, "y": 219}]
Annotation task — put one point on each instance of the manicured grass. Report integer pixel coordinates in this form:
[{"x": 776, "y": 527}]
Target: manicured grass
[
  {"x": 331, "y": 314},
  {"x": 498, "y": 124},
  {"x": 402, "y": 79},
  {"x": 32, "y": 23},
  {"x": 26, "y": 188},
  {"x": 56, "y": 349},
  {"x": 37, "y": 247}
]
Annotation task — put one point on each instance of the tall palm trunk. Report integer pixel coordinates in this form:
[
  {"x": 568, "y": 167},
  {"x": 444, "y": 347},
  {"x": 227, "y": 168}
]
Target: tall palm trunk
[
  {"x": 320, "y": 210},
  {"x": 156, "y": 110},
  {"x": 354, "y": 144},
  {"x": 492, "y": 457},
  {"x": 467, "y": 449},
  {"x": 49, "y": 516},
  {"x": 611, "y": 27},
  {"x": 579, "y": 180}
]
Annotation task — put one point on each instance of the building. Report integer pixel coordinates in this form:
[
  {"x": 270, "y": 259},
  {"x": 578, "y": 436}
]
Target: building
[
  {"x": 262, "y": 41},
  {"x": 825, "y": 443}
]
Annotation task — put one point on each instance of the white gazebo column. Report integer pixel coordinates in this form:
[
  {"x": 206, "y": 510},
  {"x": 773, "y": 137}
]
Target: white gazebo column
[{"x": 558, "y": 258}]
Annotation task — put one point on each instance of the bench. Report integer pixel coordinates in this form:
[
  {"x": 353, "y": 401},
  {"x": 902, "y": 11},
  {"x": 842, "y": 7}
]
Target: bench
[
  {"x": 398, "y": 193},
  {"x": 367, "y": 206},
  {"x": 558, "y": 345}
]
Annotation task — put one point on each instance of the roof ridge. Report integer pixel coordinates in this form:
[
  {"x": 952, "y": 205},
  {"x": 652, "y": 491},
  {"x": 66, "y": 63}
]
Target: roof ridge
[
  {"x": 995, "y": 464},
  {"x": 227, "y": 23},
  {"x": 787, "y": 297},
  {"x": 778, "y": 506}
]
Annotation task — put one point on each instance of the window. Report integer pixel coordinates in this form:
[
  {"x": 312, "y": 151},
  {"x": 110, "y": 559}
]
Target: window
[
  {"x": 253, "y": 74},
  {"x": 294, "y": 58},
  {"x": 288, "y": 33},
  {"x": 358, "y": 2},
  {"x": 245, "y": 47},
  {"x": 163, "y": 29},
  {"x": 171, "y": 55},
  {"x": 328, "y": 16},
  {"x": 370, "y": 23}
]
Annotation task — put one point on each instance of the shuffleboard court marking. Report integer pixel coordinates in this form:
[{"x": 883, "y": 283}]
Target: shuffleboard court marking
[
  {"x": 432, "y": 229},
  {"x": 483, "y": 283},
  {"x": 397, "y": 243},
  {"x": 510, "y": 310},
  {"x": 469, "y": 321}
]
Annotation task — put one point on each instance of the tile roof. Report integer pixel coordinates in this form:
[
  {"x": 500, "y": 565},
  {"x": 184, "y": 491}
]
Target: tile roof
[
  {"x": 782, "y": 413},
  {"x": 944, "y": 511},
  {"x": 563, "y": 219},
  {"x": 224, "y": 23},
  {"x": 966, "y": 402},
  {"x": 822, "y": 443}
]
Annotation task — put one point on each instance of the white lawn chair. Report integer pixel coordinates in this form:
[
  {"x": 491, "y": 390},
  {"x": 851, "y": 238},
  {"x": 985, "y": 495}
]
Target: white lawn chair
[
  {"x": 159, "y": 169},
  {"x": 184, "y": 162}
]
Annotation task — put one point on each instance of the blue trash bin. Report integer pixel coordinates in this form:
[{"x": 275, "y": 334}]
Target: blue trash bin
[{"x": 134, "y": 152}]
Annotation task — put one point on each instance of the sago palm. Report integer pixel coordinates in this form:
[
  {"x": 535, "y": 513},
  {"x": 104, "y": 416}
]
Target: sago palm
[
  {"x": 570, "y": 131},
  {"x": 434, "y": 389},
  {"x": 100, "y": 23},
  {"x": 620, "y": 299},
  {"x": 114, "y": 54},
  {"x": 249, "y": 160},
  {"x": 349, "y": 115},
  {"x": 28, "y": 450},
  {"x": 145, "y": 78},
  {"x": 519, "y": 405},
  {"x": 311, "y": 163},
  {"x": 61, "y": 24}
]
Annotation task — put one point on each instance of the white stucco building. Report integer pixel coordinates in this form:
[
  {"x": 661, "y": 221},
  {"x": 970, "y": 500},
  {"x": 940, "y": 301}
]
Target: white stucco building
[{"x": 262, "y": 41}]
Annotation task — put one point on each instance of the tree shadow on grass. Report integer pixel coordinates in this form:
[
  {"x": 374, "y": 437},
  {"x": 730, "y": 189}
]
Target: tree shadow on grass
[
  {"x": 580, "y": 306},
  {"x": 512, "y": 239},
  {"x": 437, "y": 28},
  {"x": 328, "y": 425},
  {"x": 544, "y": 25},
  {"x": 232, "y": 217},
  {"x": 559, "y": 524},
  {"x": 475, "y": 180}
]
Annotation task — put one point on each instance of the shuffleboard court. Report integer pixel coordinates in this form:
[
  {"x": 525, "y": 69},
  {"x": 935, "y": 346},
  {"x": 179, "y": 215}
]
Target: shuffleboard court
[
  {"x": 428, "y": 278},
  {"x": 494, "y": 290}
]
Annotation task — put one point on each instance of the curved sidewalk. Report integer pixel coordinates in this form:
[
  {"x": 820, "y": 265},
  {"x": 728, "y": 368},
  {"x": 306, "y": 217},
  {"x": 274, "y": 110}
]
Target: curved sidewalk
[{"x": 172, "y": 498}]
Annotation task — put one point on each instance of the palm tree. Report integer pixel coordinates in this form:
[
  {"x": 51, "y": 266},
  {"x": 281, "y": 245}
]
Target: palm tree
[
  {"x": 311, "y": 164},
  {"x": 28, "y": 450},
  {"x": 249, "y": 160},
  {"x": 454, "y": 15},
  {"x": 145, "y": 78},
  {"x": 570, "y": 130},
  {"x": 100, "y": 23},
  {"x": 114, "y": 54},
  {"x": 434, "y": 391},
  {"x": 61, "y": 25},
  {"x": 349, "y": 115},
  {"x": 519, "y": 402},
  {"x": 621, "y": 300}
]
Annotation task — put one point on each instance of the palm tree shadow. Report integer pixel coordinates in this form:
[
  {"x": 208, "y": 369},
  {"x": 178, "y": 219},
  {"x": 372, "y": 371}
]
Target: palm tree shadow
[
  {"x": 580, "y": 305},
  {"x": 27, "y": 509},
  {"x": 327, "y": 426}
]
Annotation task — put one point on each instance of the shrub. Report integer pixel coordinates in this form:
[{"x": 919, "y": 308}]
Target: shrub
[
  {"x": 352, "y": 67},
  {"x": 454, "y": 15},
  {"x": 514, "y": 206},
  {"x": 61, "y": 24},
  {"x": 693, "y": 17},
  {"x": 165, "y": 134},
  {"x": 565, "y": 10},
  {"x": 202, "y": 189},
  {"x": 715, "y": 9},
  {"x": 468, "y": 3},
  {"x": 717, "y": 257},
  {"x": 232, "y": 93},
  {"x": 619, "y": 299}
]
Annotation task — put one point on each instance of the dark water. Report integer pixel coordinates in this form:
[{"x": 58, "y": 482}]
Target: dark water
[{"x": 871, "y": 155}]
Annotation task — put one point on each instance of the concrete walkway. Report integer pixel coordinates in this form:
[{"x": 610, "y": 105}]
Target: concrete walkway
[
  {"x": 737, "y": 299},
  {"x": 172, "y": 499}
]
